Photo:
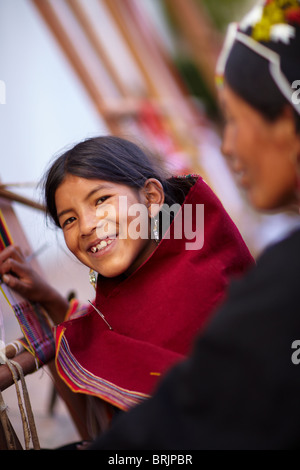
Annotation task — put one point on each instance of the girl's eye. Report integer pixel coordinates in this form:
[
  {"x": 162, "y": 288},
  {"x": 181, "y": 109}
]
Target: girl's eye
[
  {"x": 101, "y": 200},
  {"x": 68, "y": 221}
]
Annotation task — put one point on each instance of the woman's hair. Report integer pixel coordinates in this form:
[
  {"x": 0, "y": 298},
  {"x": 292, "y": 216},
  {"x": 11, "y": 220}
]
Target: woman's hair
[
  {"x": 248, "y": 74},
  {"x": 113, "y": 159}
]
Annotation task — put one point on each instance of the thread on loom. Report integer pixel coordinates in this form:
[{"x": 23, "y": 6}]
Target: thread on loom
[{"x": 2, "y": 335}]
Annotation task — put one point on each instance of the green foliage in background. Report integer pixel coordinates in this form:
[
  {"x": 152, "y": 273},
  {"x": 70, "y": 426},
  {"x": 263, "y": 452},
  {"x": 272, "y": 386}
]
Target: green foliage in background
[
  {"x": 196, "y": 86},
  {"x": 221, "y": 12}
]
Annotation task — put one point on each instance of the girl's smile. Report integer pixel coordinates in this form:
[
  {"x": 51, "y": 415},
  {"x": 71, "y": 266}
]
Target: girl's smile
[{"x": 100, "y": 245}]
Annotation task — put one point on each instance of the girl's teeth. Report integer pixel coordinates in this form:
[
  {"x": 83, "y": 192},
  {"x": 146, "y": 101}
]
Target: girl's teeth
[{"x": 100, "y": 245}]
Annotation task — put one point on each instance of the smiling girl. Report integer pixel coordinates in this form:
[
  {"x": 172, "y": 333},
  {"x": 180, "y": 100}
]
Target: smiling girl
[
  {"x": 77, "y": 201},
  {"x": 152, "y": 293}
]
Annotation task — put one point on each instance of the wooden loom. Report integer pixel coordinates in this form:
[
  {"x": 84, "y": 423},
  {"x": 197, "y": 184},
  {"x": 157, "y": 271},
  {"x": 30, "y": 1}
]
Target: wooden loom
[
  {"x": 156, "y": 109},
  {"x": 25, "y": 360}
]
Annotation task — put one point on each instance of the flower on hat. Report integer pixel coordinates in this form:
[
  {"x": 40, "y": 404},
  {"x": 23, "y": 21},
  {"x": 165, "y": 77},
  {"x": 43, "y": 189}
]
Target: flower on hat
[
  {"x": 277, "y": 18},
  {"x": 282, "y": 32},
  {"x": 293, "y": 15}
]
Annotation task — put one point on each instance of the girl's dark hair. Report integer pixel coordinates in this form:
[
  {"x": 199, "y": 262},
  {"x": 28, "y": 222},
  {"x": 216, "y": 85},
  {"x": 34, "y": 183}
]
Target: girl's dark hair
[{"x": 113, "y": 159}]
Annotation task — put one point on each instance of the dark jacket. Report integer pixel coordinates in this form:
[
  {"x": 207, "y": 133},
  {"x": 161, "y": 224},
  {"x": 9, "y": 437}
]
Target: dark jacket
[{"x": 239, "y": 389}]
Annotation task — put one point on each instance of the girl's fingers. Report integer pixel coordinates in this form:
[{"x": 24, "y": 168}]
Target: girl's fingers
[
  {"x": 16, "y": 284},
  {"x": 20, "y": 277},
  {"x": 12, "y": 266},
  {"x": 13, "y": 252}
]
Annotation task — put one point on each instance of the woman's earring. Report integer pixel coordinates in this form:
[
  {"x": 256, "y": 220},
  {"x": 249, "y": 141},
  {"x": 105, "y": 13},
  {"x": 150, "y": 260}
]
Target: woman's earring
[
  {"x": 155, "y": 229},
  {"x": 93, "y": 278}
]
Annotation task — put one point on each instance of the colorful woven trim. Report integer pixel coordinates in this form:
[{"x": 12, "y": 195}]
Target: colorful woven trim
[
  {"x": 82, "y": 381},
  {"x": 37, "y": 330},
  {"x": 35, "y": 325},
  {"x": 76, "y": 309}
]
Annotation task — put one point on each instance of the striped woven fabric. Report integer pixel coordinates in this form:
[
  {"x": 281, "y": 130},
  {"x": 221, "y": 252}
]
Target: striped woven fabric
[
  {"x": 76, "y": 309},
  {"x": 81, "y": 380},
  {"x": 33, "y": 320},
  {"x": 37, "y": 330},
  {"x": 35, "y": 325}
]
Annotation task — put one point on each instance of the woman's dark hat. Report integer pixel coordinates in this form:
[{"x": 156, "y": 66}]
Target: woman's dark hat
[{"x": 262, "y": 52}]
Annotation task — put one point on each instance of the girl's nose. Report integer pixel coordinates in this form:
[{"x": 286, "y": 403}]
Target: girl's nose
[{"x": 87, "y": 222}]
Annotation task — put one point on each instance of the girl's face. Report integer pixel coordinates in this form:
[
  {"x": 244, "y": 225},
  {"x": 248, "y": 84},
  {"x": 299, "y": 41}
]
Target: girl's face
[
  {"x": 262, "y": 154},
  {"x": 96, "y": 228}
]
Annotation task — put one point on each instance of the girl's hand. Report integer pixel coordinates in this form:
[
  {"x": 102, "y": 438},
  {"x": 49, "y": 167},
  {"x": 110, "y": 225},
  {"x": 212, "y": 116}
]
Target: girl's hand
[{"x": 17, "y": 274}]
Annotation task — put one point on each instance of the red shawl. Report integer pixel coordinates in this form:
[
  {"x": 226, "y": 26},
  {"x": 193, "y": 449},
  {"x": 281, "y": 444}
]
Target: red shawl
[{"x": 155, "y": 313}]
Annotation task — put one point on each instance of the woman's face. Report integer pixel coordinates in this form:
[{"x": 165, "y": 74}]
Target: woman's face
[
  {"x": 97, "y": 229},
  {"x": 262, "y": 154}
]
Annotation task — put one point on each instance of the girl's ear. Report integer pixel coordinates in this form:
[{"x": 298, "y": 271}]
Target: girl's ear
[{"x": 154, "y": 194}]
